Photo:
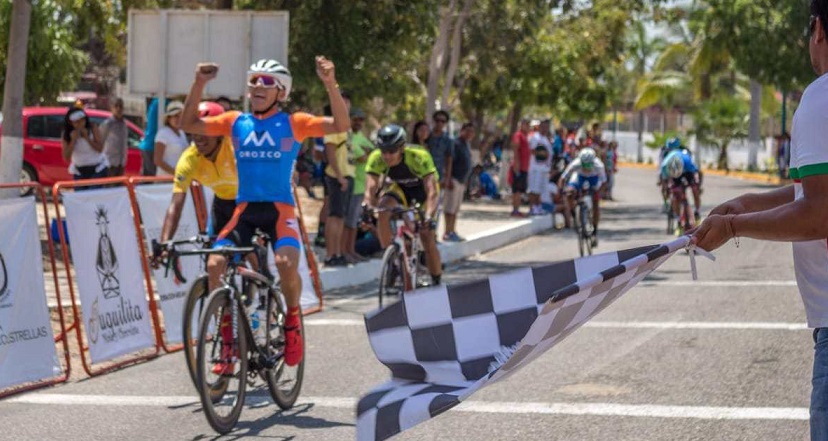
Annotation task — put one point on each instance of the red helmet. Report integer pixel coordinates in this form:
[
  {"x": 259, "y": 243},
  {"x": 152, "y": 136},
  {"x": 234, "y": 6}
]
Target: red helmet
[{"x": 209, "y": 108}]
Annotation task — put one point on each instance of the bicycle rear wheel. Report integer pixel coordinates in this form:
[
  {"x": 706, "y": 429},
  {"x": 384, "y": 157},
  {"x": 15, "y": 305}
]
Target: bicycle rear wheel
[
  {"x": 221, "y": 359},
  {"x": 283, "y": 381},
  {"x": 194, "y": 304},
  {"x": 391, "y": 277}
]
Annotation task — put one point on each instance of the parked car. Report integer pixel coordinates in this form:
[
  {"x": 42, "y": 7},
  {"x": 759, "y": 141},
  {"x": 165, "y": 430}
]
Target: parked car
[{"x": 42, "y": 152}]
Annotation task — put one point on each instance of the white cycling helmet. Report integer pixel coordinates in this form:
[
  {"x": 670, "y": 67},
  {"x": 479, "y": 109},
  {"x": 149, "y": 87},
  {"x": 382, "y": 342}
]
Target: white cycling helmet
[
  {"x": 587, "y": 157},
  {"x": 275, "y": 69},
  {"x": 675, "y": 166}
]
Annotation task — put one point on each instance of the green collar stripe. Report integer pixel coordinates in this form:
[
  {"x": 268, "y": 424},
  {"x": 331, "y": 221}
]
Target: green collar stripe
[{"x": 809, "y": 170}]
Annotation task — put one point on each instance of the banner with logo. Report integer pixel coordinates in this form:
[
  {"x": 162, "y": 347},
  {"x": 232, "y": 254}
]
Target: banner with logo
[
  {"x": 108, "y": 271},
  {"x": 153, "y": 201},
  {"x": 27, "y": 344}
]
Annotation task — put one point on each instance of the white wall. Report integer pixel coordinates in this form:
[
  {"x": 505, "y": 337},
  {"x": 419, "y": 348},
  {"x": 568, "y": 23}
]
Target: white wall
[{"x": 737, "y": 152}]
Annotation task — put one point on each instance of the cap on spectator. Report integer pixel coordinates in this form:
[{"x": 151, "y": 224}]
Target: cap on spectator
[
  {"x": 174, "y": 108},
  {"x": 357, "y": 113}
]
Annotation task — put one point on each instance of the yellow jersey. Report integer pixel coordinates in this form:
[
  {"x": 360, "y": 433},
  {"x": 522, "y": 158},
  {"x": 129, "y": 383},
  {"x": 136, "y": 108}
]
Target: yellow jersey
[{"x": 221, "y": 176}]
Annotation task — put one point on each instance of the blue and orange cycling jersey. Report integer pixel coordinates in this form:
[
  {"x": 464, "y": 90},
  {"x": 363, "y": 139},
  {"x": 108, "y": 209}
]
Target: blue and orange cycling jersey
[{"x": 266, "y": 150}]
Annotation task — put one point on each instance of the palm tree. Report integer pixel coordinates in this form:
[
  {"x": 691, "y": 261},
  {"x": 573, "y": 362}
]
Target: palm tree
[{"x": 642, "y": 49}]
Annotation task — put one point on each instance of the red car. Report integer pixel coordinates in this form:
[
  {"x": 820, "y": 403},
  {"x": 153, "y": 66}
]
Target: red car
[{"x": 42, "y": 151}]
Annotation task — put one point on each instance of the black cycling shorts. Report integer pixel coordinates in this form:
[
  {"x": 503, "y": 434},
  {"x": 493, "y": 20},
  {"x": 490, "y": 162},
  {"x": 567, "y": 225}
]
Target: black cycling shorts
[
  {"x": 687, "y": 179},
  {"x": 273, "y": 218},
  {"x": 221, "y": 213}
]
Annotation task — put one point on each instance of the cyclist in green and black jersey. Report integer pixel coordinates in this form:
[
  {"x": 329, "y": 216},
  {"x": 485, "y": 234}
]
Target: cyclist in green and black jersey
[{"x": 413, "y": 179}]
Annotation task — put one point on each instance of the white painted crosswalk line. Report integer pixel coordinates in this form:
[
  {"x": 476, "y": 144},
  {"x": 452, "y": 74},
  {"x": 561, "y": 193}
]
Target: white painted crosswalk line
[{"x": 595, "y": 409}]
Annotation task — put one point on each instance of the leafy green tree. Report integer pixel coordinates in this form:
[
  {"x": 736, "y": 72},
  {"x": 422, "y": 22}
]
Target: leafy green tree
[
  {"x": 720, "y": 121},
  {"x": 55, "y": 62}
]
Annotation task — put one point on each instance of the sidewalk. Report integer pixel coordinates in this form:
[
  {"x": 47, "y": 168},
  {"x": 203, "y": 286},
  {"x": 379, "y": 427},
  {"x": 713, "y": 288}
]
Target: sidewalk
[{"x": 485, "y": 224}]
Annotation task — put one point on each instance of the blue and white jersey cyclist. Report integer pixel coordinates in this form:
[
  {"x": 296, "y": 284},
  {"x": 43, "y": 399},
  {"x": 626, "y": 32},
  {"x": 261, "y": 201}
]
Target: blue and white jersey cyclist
[
  {"x": 585, "y": 169},
  {"x": 266, "y": 144},
  {"x": 678, "y": 171}
]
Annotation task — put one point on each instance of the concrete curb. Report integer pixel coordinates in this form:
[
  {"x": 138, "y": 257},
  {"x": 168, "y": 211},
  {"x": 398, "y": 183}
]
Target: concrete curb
[
  {"x": 341, "y": 277},
  {"x": 747, "y": 176}
]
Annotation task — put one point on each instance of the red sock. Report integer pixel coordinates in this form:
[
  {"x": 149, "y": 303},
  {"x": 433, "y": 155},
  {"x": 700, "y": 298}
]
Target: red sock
[{"x": 292, "y": 318}]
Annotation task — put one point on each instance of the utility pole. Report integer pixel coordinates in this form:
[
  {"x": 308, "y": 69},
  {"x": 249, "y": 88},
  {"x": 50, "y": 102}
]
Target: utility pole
[{"x": 11, "y": 143}]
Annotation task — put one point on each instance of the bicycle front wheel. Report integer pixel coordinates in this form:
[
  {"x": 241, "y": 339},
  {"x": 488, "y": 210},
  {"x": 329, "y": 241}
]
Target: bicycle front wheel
[
  {"x": 283, "y": 381},
  {"x": 192, "y": 313},
  {"x": 585, "y": 241},
  {"x": 221, "y": 361},
  {"x": 391, "y": 277}
]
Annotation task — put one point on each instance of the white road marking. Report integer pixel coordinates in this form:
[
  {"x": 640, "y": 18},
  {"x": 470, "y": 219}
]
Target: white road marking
[
  {"x": 627, "y": 325},
  {"x": 721, "y": 283},
  {"x": 599, "y": 409}
]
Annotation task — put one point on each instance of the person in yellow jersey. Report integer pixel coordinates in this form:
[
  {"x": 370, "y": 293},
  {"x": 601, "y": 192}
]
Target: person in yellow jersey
[{"x": 211, "y": 161}]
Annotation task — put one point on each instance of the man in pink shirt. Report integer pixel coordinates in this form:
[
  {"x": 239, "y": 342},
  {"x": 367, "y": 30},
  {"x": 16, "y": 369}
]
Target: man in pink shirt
[{"x": 520, "y": 166}]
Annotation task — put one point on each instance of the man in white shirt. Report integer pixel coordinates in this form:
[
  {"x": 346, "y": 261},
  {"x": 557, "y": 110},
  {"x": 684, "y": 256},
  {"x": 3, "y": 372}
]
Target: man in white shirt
[
  {"x": 539, "y": 165},
  {"x": 796, "y": 213}
]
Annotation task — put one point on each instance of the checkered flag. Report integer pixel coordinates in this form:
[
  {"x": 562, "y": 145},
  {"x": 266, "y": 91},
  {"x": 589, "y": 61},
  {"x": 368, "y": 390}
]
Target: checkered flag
[{"x": 444, "y": 343}]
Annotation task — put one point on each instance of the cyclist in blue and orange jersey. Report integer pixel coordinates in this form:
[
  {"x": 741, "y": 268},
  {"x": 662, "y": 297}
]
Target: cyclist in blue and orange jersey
[
  {"x": 266, "y": 144},
  {"x": 678, "y": 170}
]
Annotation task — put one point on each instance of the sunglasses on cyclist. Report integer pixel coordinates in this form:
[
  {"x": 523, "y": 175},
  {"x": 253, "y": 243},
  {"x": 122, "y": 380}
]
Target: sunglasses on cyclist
[{"x": 261, "y": 80}]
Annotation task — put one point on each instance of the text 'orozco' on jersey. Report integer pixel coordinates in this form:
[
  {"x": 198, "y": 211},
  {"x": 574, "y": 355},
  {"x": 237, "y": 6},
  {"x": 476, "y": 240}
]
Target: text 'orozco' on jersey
[{"x": 266, "y": 150}]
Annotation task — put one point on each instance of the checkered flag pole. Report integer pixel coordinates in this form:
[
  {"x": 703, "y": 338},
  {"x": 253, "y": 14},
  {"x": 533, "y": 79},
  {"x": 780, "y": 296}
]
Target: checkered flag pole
[{"x": 442, "y": 344}]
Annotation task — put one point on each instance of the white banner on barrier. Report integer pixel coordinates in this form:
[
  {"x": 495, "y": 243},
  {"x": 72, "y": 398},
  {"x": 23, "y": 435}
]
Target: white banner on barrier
[
  {"x": 108, "y": 271},
  {"x": 153, "y": 201},
  {"x": 309, "y": 298},
  {"x": 27, "y": 345}
]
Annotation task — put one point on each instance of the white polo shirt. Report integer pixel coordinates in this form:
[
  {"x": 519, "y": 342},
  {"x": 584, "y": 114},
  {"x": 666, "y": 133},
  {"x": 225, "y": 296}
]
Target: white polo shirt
[{"x": 809, "y": 157}]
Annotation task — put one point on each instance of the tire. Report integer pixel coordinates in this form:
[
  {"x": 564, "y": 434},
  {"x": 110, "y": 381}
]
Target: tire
[
  {"x": 577, "y": 221},
  {"x": 27, "y": 174},
  {"x": 586, "y": 228},
  {"x": 671, "y": 220},
  {"x": 283, "y": 381},
  {"x": 217, "y": 305},
  {"x": 198, "y": 291},
  {"x": 391, "y": 273}
]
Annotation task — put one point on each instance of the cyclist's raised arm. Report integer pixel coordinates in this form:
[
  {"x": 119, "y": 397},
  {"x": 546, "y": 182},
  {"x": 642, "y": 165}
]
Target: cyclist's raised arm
[
  {"x": 190, "y": 122},
  {"x": 340, "y": 122},
  {"x": 432, "y": 195},
  {"x": 173, "y": 216}
]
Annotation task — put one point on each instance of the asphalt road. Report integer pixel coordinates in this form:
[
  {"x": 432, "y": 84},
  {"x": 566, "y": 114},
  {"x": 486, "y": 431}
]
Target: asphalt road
[{"x": 726, "y": 358}]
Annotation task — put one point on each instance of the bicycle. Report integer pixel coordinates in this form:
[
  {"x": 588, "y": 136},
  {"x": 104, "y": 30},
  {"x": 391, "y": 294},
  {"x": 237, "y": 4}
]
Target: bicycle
[
  {"x": 685, "y": 219},
  {"x": 583, "y": 220},
  {"x": 234, "y": 346},
  {"x": 403, "y": 260}
]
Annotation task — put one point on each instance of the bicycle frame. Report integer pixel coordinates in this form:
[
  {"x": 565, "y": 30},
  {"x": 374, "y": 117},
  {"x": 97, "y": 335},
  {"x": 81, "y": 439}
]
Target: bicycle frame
[{"x": 408, "y": 237}]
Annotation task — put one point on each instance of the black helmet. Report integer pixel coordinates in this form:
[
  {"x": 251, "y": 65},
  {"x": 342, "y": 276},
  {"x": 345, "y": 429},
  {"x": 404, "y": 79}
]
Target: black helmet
[{"x": 390, "y": 137}]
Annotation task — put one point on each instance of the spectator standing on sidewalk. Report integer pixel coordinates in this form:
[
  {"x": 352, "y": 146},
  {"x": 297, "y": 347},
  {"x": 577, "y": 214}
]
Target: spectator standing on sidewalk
[
  {"x": 171, "y": 141},
  {"x": 114, "y": 133},
  {"x": 520, "y": 166},
  {"x": 362, "y": 147},
  {"x": 419, "y": 135},
  {"x": 339, "y": 180},
  {"x": 147, "y": 145},
  {"x": 539, "y": 166},
  {"x": 795, "y": 213},
  {"x": 82, "y": 146},
  {"x": 440, "y": 146},
  {"x": 461, "y": 168}
]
